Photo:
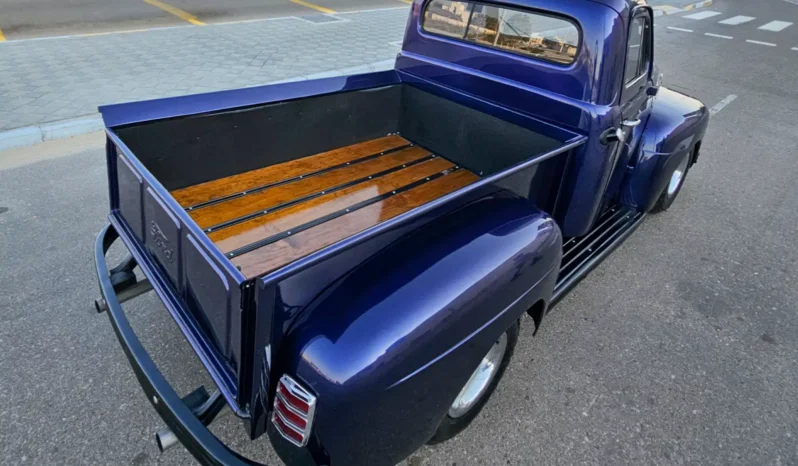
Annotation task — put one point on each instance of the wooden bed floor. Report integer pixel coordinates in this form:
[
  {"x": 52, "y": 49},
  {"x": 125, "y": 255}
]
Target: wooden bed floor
[{"x": 266, "y": 218}]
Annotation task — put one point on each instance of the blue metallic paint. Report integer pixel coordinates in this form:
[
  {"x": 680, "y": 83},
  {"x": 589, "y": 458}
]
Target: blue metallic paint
[
  {"x": 131, "y": 209},
  {"x": 173, "y": 107},
  {"x": 581, "y": 97},
  {"x": 381, "y": 336},
  {"x": 677, "y": 123},
  {"x": 359, "y": 322}
]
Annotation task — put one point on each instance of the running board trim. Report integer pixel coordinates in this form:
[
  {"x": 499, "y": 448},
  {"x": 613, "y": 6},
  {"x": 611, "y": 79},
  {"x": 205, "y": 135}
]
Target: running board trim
[{"x": 582, "y": 255}]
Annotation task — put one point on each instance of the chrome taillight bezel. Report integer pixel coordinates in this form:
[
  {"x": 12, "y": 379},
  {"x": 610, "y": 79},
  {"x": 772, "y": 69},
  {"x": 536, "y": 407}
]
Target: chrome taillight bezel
[{"x": 295, "y": 389}]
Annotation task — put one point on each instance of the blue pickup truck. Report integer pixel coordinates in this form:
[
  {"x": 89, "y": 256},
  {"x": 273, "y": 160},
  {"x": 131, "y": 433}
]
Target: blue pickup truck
[{"x": 350, "y": 258}]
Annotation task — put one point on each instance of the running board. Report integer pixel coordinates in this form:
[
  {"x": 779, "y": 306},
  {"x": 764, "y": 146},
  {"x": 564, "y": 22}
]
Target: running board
[{"x": 583, "y": 254}]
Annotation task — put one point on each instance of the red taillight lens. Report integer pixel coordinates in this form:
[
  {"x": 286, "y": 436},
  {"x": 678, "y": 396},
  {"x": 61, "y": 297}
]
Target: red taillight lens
[
  {"x": 294, "y": 407},
  {"x": 287, "y": 431},
  {"x": 292, "y": 399},
  {"x": 289, "y": 415}
]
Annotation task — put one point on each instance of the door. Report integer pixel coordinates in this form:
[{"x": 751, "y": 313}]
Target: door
[{"x": 635, "y": 96}]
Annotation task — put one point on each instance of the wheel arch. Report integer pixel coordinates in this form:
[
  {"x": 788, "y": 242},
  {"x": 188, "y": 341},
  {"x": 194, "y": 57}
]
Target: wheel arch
[
  {"x": 536, "y": 312},
  {"x": 674, "y": 130},
  {"x": 398, "y": 337}
]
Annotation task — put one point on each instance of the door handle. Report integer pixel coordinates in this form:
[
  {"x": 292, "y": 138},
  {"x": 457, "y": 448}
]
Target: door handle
[
  {"x": 611, "y": 135},
  {"x": 630, "y": 123}
]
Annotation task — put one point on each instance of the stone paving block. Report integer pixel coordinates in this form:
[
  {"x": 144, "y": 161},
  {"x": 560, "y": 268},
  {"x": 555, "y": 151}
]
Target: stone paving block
[{"x": 63, "y": 78}]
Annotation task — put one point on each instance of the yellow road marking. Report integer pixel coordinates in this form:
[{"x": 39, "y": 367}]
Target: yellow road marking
[
  {"x": 2, "y": 37},
  {"x": 184, "y": 15},
  {"x": 310, "y": 5},
  {"x": 668, "y": 9},
  {"x": 409, "y": 2}
]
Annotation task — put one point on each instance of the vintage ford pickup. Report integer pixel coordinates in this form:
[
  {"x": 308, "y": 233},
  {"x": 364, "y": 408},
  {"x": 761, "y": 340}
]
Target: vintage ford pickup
[{"x": 350, "y": 258}]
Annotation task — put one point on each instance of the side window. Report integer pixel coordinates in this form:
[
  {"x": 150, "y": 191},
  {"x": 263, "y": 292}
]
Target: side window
[
  {"x": 522, "y": 32},
  {"x": 447, "y": 18},
  {"x": 637, "y": 50}
]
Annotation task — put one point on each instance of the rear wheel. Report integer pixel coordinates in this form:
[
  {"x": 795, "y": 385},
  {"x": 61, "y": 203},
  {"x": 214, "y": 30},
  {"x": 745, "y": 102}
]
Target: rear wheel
[
  {"x": 478, "y": 388},
  {"x": 674, "y": 186}
]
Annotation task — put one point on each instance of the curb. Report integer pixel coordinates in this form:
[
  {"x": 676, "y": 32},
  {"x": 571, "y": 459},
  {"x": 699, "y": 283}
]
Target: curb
[
  {"x": 669, "y": 10},
  {"x": 30, "y": 135}
]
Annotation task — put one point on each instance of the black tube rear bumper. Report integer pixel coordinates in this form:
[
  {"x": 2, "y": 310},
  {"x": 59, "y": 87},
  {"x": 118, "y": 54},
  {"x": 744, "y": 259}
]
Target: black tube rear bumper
[{"x": 191, "y": 432}]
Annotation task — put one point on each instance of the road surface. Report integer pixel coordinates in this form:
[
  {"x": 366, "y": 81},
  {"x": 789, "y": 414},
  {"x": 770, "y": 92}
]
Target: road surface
[
  {"x": 680, "y": 349},
  {"x": 22, "y": 19}
]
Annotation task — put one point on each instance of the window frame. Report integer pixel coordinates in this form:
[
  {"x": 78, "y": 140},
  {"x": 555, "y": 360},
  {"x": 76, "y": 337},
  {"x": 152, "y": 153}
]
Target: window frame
[
  {"x": 473, "y": 3},
  {"x": 646, "y": 50}
]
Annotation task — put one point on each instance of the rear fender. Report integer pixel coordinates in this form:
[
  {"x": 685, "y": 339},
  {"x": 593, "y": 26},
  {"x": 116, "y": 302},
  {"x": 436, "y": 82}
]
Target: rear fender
[
  {"x": 390, "y": 346},
  {"x": 676, "y": 126}
]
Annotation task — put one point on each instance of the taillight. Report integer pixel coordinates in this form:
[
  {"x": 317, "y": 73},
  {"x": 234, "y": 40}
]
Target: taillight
[{"x": 293, "y": 411}]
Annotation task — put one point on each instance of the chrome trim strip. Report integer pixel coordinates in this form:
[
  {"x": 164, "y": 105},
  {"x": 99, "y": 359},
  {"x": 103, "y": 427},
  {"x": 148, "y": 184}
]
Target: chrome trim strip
[
  {"x": 286, "y": 436},
  {"x": 636, "y": 80},
  {"x": 290, "y": 424},
  {"x": 296, "y": 389},
  {"x": 290, "y": 407}
]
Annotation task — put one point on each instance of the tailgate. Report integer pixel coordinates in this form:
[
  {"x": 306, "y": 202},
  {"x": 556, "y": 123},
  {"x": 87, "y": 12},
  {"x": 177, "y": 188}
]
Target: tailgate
[{"x": 203, "y": 288}]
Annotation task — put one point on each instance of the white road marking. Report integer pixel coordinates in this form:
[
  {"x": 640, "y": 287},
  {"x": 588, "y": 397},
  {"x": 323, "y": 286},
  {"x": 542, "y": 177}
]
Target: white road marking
[
  {"x": 735, "y": 20},
  {"x": 722, "y": 104},
  {"x": 775, "y": 26},
  {"x": 680, "y": 29},
  {"x": 769, "y": 44},
  {"x": 718, "y": 35},
  {"x": 794, "y": 48},
  {"x": 703, "y": 15}
]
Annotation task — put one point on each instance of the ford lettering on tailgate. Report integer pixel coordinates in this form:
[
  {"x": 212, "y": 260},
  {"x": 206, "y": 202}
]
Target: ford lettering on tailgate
[
  {"x": 161, "y": 241},
  {"x": 163, "y": 236}
]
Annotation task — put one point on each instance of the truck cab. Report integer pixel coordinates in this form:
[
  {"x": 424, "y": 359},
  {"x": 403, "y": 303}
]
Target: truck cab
[{"x": 350, "y": 258}]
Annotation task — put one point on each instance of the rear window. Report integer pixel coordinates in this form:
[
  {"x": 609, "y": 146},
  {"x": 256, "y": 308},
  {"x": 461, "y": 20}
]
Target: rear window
[{"x": 523, "y": 32}]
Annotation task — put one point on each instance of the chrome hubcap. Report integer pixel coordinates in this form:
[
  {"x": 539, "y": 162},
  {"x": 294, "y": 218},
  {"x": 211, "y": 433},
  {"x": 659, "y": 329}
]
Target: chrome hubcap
[
  {"x": 480, "y": 380},
  {"x": 678, "y": 175}
]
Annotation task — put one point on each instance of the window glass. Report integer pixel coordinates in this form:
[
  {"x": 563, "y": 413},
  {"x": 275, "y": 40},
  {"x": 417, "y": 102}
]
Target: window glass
[
  {"x": 447, "y": 18},
  {"x": 523, "y": 32},
  {"x": 636, "y": 54}
]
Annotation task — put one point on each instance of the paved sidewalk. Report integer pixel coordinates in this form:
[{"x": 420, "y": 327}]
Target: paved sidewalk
[{"x": 61, "y": 78}]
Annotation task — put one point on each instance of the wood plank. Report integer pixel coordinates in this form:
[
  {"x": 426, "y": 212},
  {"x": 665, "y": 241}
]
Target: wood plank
[
  {"x": 238, "y": 207},
  {"x": 236, "y": 236},
  {"x": 275, "y": 255},
  {"x": 222, "y": 187}
]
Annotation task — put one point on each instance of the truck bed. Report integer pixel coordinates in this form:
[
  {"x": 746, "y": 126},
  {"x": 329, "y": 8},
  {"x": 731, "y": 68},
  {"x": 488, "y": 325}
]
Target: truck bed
[{"x": 266, "y": 218}]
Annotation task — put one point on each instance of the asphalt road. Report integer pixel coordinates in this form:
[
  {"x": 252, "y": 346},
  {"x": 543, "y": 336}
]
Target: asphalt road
[
  {"x": 21, "y": 19},
  {"x": 680, "y": 349}
]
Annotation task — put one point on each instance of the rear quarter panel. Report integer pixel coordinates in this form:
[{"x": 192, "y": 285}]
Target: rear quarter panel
[{"x": 388, "y": 347}]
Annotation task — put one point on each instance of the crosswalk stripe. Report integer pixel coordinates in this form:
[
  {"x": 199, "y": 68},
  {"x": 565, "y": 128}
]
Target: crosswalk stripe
[
  {"x": 703, "y": 15},
  {"x": 775, "y": 26},
  {"x": 759, "y": 42},
  {"x": 680, "y": 29},
  {"x": 734, "y": 21}
]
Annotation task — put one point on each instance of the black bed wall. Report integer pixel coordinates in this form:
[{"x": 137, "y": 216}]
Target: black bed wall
[{"x": 186, "y": 151}]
